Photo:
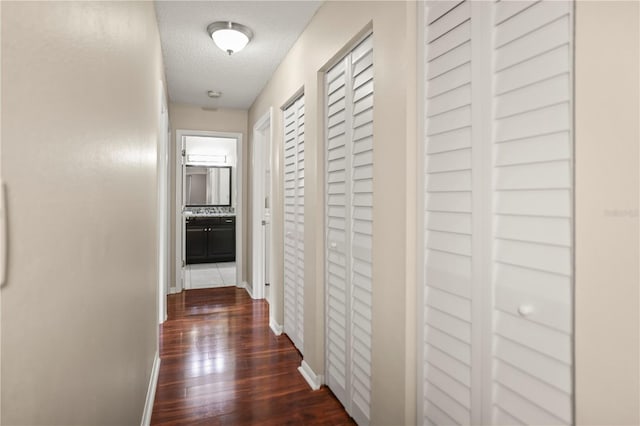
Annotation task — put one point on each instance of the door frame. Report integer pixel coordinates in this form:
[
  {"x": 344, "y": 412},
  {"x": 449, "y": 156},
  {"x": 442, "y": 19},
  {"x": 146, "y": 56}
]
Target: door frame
[
  {"x": 420, "y": 219},
  {"x": 163, "y": 206},
  {"x": 180, "y": 221},
  {"x": 262, "y": 141}
]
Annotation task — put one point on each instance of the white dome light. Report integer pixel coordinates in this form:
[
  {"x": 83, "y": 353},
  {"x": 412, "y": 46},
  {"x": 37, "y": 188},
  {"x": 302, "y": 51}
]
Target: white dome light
[{"x": 229, "y": 36}]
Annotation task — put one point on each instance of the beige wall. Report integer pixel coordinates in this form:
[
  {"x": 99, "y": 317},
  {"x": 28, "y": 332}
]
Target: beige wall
[
  {"x": 329, "y": 33},
  {"x": 1, "y": 235},
  {"x": 189, "y": 117},
  {"x": 607, "y": 254},
  {"x": 80, "y": 105}
]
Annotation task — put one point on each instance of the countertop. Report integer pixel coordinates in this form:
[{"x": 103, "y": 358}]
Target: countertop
[{"x": 190, "y": 214}]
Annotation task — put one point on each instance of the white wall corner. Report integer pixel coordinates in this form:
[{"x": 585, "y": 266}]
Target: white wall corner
[
  {"x": 275, "y": 327},
  {"x": 247, "y": 287},
  {"x": 314, "y": 380},
  {"x": 151, "y": 391}
]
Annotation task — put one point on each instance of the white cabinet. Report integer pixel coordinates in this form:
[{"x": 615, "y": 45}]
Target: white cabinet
[
  {"x": 348, "y": 228},
  {"x": 498, "y": 214},
  {"x": 294, "y": 222}
]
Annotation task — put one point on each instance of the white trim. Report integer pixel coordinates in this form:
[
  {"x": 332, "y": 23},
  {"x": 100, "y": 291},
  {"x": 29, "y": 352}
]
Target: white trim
[
  {"x": 179, "y": 225},
  {"x": 163, "y": 205},
  {"x": 151, "y": 391},
  {"x": 482, "y": 152},
  {"x": 245, "y": 285},
  {"x": 420, "y": 198},
  {"x": 314, "y": 380},
  {"x": 275, "y": 327},
  {"x": 3, "y": 229},
  {"x": 260, "y": 139}
]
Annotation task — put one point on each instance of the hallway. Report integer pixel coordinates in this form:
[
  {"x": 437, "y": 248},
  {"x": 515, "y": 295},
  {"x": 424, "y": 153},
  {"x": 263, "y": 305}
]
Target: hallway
[
  {"x": 437, "y": 201},
  {"x": 222, "y": 365}
]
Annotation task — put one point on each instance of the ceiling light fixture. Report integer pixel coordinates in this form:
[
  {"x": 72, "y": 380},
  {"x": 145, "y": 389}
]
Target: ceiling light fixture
[
  {"x": 230, "y": 36},
  {"x": 214, "y": 94}
]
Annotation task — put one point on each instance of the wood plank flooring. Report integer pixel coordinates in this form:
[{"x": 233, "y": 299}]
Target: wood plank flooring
[{"x": 222, "y": 365}]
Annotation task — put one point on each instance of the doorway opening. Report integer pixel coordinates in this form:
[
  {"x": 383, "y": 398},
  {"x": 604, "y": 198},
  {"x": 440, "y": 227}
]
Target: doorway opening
[{"x": 208, "y": 210}]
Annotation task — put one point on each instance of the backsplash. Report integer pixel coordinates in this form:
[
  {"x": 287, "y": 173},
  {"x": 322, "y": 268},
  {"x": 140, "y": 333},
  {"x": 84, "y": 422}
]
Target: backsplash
[{"x": 209, "y": 211}]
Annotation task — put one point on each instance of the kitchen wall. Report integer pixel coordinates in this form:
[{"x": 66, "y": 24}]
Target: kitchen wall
[
  {"x": 607, "y": 294},
  {"x": 190, "y": 117},
  {"x": 327, "y": 37},
  {"x": 80, "y": 106}
]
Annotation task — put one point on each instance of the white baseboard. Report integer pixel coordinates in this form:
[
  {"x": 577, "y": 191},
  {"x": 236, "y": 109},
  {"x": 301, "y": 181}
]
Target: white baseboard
[
  {"x": 275, "y": 327},
  {"x": 247, "y": 287},
  {"x": 314, "y": 380},
  {"x": 151, "y": 391}
]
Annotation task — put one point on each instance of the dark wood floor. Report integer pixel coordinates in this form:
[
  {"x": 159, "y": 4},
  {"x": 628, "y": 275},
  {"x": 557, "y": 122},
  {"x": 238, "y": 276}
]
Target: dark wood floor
[{"x": 222, "y": 365}]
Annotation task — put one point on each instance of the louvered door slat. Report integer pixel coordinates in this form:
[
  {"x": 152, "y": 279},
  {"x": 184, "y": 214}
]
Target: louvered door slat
[
  {"x": 349, "y": 218},
  {"x": 294, "y": 223}
]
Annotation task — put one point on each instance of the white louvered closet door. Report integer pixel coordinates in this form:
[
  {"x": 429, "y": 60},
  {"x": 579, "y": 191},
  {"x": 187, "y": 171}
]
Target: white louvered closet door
[
  {"x": 498, "y": 213},
  {"x": 532, "y": 285},
  {"x": 294, "y": 222},
  {"x": 349, "y": 219},
  {"x": 299, "y": 105},
  {"x": 449, "y": 348}
]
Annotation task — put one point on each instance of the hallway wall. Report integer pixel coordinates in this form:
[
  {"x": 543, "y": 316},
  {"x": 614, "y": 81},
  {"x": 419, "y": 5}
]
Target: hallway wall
[
  {"x": 607, "y": 191},
  {"x": 191, "y": 117},
  {"x": 331, "y": 31},
  {"x": 80, "y": 109},
  {"x": 607, "y": 292}
]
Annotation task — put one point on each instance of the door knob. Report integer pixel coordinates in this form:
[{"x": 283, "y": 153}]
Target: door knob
[{"x": 525, "y": 310}]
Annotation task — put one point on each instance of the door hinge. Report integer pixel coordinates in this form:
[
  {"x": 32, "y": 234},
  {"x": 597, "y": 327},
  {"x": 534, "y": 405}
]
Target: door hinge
[
  {"x": 267, "y": 284},
  {"x": 184, "y": 152},
  {"x": 183, "y": 263}
]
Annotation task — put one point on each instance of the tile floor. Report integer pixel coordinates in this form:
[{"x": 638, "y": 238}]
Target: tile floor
[{"x": 210, "y": 275}]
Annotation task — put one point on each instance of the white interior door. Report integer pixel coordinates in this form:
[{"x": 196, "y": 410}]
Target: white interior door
[
  {"x": 185, "y": 283},
  {"x": 533, "y": 214},
  {"x": 349, "y": 229},
  {"x": 261, "y": 187},
  {"x": 294, "y": 222},
  {"x": 451, "y": 355},
  {"x": 266, "y": 217},
  {"x": 497, "y": 343}
]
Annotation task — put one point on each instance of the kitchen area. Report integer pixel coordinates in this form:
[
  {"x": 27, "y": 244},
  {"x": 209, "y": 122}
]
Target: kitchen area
[{"x": 209, "y": 211}]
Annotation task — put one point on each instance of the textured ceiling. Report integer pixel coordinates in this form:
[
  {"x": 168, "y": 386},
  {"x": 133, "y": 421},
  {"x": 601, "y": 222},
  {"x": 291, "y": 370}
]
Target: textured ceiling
[{"x": 195, "y": 65}]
